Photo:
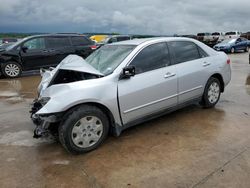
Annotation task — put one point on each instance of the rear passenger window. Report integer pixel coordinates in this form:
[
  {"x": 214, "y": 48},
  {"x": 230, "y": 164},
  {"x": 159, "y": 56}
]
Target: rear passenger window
[
  {"x": 78, "y": 41},
  {"x": 202, "y": 52},
  {"x": 184, "y": 51},
  {"x": 56, "y": 42},
  {"x": 152, "y": 57}
]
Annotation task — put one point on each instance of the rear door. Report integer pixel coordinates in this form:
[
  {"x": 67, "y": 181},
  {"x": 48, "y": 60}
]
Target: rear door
[
  {"x": 192, "y": 65},
  {"x": 154, "y": 86},
  {"x": 57, "y": 48},
  {"x": 82, "y": 46}
]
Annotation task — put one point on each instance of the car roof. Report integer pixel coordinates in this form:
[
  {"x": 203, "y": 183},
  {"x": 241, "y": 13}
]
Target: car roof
[
  {"x": 58, "y": 34},
  {"x": 154, "y": 39}
]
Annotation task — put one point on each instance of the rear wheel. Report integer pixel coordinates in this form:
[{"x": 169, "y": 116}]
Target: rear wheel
[
  {"x": 211, "y": 93},
  {"x": 83, "y": 129},
  {"x": 11, "y": 69}
]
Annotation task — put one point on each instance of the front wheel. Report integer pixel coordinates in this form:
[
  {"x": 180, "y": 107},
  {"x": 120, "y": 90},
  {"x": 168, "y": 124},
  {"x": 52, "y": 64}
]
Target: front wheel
[
  {"x": 11, "y": 69},
  {"x": 211, "y": 93},
  {"x": 232, "y": 50},
  {"x": 247, "y": 49},
  {"x": 83, "y": 129}
]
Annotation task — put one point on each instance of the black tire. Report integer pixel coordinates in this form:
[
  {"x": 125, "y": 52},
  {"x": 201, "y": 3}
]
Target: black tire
[
  {"x": 206, "y": 98},
  {"x": 247, "y": 49},
  {"x": 72, "y": 118},
  {"x": 11, "y": 69},
  {"x": 232, "y": 50}
]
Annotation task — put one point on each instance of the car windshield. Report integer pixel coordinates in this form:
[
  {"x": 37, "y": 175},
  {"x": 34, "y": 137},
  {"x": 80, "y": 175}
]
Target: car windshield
[
  {"x": 230, "y": 41},
  {"x": 108, "y": 57}
]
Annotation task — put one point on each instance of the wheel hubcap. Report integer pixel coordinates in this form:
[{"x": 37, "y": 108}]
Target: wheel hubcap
[
  {"x": 213, "y": 92},
  {"x": 12, "y": 70},
  {"x": 87, "y": 131}
]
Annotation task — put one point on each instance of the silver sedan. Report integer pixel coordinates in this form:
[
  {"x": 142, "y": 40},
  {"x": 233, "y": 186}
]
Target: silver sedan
[{"x": 123, "y": 84}]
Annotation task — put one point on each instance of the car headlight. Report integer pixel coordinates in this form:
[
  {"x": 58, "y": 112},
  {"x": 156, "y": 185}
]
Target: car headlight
[{"x": 44, "y": 100}]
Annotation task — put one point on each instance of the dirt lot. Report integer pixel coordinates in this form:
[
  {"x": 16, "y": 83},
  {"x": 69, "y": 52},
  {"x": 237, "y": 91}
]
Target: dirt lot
[{"x": 193, "y": 147}]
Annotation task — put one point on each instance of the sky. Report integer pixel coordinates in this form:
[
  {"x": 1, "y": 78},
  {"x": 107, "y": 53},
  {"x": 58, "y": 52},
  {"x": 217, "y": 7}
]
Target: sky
[{"x": 158, "y": 17}]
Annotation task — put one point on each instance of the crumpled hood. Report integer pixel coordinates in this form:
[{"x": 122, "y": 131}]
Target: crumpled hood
[
  {"x": 71, "y": 62},
  {"x": 77, "y": 63}
]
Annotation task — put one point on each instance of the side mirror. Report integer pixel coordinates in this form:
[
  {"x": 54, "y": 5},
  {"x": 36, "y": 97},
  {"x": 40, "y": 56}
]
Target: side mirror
[
  {"x": 24, "y": 48},
  {"x": 127, "y": 72}
]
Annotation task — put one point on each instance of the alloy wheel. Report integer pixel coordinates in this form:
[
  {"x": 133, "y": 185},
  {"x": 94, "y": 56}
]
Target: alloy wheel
[{"x": 12, "y": 70}]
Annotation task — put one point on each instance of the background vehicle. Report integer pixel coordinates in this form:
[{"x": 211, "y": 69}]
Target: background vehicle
[
  {"x": 205, "y": 37},
  {"x": 115, "y": 38},
  {"x": 125, "y": 83},
  {"x": 232, "y": 34},
  {"x": 42, "y": 51},
  {"x": 5, "y": 45},
  {"x": 233, "y": 45},
  {"x": 246, "y": 35},
  {"x": 9, "y": 40},
  {"x": 218, "y": 36},
  {"x": 98, "y": 38}
]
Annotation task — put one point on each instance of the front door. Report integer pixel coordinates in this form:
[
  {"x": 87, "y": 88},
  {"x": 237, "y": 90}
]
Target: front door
[
  {"x": 154, "y": 86},
  {"x": 35, "y": 54}
]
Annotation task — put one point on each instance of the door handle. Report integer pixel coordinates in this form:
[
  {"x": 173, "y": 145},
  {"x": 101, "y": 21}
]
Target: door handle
[
  {"x": 205, "y": 64},
  {"x": 169, "y": 74}
]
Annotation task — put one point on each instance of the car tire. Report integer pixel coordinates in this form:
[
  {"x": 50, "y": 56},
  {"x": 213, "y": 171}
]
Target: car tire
[
  {"x": 247, "y": 49},
  {"x": 83, "y": 129},
  {"x": 211, "y": 93},
  {"x": 232, "y": 50},
  {"x": 11, "y": 69}
]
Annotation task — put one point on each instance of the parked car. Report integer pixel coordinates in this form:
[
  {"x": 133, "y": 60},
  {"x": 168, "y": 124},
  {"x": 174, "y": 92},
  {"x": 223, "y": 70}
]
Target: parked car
[
  {"x": 218, "y": 36},
  {"x": 5, "y": 45},
  {"x": 98, "y": 38},
  {"x": 123, "y": 84},
  {"x": 246, "y": 35},
  {"x": 42, "y": 51},
  {"x": 232, "y": 34},
  {"x": 205, "y": 37},
  {"x": 116, "y": 38},
  {"x": 9, "y": 40},
  {"x": 233, "y": 45}
]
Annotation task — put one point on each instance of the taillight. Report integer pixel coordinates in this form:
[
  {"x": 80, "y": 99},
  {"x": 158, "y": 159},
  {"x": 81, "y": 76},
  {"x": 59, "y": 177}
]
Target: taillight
[
  {"x": 228, "y": 61},
  {"x": 93, "y": 47}
]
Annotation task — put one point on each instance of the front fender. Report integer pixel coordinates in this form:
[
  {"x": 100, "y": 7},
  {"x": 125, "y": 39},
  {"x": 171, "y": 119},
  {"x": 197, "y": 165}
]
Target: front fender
[{"x": 66, "y": 96}]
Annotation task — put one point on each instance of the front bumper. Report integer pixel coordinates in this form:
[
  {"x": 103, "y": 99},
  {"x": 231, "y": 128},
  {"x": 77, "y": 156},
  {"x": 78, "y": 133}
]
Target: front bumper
[{"x": 43, "y": 122}]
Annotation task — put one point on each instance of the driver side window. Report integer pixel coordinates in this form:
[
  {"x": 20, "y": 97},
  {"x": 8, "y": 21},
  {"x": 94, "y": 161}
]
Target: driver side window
[
  {"x": 35, "y": 44},
  {"x": 152, "y": 57}
]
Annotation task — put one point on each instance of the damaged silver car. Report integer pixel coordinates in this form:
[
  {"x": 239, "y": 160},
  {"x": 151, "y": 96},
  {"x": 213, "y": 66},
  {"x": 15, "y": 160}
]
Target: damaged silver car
[{"x": 124, "y": 84}]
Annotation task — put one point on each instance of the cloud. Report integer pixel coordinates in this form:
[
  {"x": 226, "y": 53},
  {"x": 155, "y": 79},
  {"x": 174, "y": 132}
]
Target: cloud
[{"x": 124, "y": 16}]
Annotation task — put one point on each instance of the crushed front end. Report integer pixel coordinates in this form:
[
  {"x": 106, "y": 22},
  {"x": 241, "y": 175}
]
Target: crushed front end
[
  {"x": 46, "y": 124},
  {"x": 48, "y": 110}
]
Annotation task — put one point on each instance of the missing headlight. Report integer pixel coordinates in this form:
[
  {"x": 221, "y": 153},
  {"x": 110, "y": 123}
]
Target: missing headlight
[{"x": 68, "y": 76}]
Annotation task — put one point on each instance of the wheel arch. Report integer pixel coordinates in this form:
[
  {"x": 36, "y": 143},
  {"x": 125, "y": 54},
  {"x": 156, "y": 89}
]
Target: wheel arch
[
  {"x": 220, "y": 78},
  {"x": 102, "y": 107}
]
